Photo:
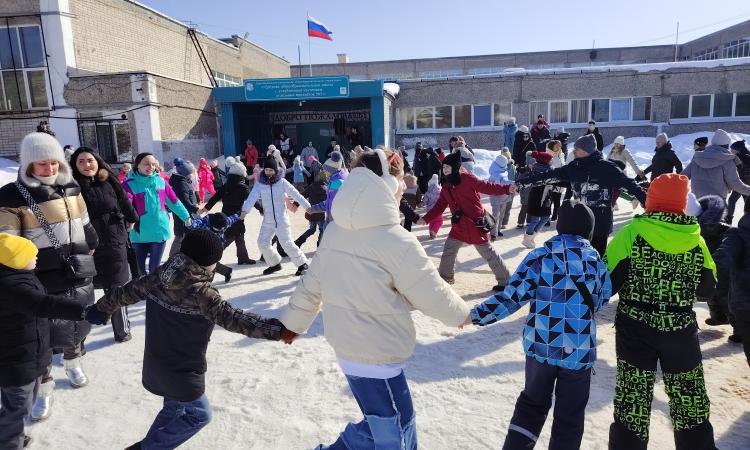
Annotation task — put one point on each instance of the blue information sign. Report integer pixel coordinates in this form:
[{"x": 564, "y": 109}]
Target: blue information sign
[{"x": 296, "y": 88}]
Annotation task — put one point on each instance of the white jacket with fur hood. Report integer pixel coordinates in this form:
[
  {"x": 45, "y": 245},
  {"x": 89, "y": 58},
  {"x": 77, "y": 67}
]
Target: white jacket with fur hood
[{"x": 367, "y": 311}]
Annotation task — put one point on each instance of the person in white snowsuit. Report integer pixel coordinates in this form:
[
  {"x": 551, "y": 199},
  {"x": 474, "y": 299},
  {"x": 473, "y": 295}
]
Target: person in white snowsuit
[{"x": 272, "y": 190}]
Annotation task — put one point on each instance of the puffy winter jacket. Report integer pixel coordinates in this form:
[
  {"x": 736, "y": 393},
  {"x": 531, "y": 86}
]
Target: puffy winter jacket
[
  {"x": 367, "y": 314},
  {"x": 665, "y": 160},
  {"x": 181, "y": 309},
  {"x": 24, "y": 325},
  {"x": 272, "y": 193},
  {"x": 509, "y": 135},
  {"x": 625, "y": 156},
  {"x": 466, "y": 197},
  {"x": 566, "y": 282},
  {"x": 335, "y": 182},
  {"x": 733, "y": 257},
  {"x": 183, "y": 189},
  {"x": 714, "y": 172},
  {"x": 659, "y": 263},
  {"x": 540, "y": 201},
  {"x": 151, "y": 196},
  {"x": 232, "y": 195},
  {"x": 521, "y": 147},
  {"x": 298, "y": 171},
  {"x": 205, "y": 176},
  {"x": 251, "y": 156},
  {"x": 499, "y": 171}
]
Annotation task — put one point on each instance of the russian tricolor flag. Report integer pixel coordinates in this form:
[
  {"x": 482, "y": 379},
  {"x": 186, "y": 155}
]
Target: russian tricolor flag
[{"x": 315, "y": 28}]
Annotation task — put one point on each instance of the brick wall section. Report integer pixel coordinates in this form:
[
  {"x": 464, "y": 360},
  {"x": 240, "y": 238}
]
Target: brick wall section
[
  {"x": 8, "y": 7},
  {"x": 12, "y": 132},
  {"x": 100, "y": 91},
  {"x": 119, "y": 36}
]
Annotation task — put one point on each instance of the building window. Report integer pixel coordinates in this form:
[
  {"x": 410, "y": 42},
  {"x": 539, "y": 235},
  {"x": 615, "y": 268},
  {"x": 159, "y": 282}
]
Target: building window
[
  {"x": 405, "y": 118},
  {"x": 707, "y": 54},
  {"x": 111, "y": 138},
  {"x": 441, "y": 73},
  {"x": 424, "y": 117},
  {"x": 558, "y": 112},
  {"x": 484, "y": 70},
  {"x": 502, "y": 113},
  {"x": 444, "y": 117},
  {"x": 536, "y": 108},
  {"x": 600, "y": 109},
  {"x": 642, "y": 108},
  {"x": 723, "y": 105},
  {"x": 680, "y": 107},
  {"x": 579, "y": 111},
  {"x": 700, "y": 106},
  {"x": 742, "y": 105},
  {"x": 482, "y": 115},
  {"x": 736, "y": 49},
  {"x": 462, "y": 116},
  {"x": 225, "y": 80},
  {"x": 620, "y": 109},
  {"x": 23, "y": 76}
]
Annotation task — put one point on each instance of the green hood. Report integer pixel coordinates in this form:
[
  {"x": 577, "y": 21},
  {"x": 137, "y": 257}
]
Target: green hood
[{"x": 668, "y": 233}]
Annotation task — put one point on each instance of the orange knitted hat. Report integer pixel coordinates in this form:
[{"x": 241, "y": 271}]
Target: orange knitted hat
[{"x": 668, "y": 193}]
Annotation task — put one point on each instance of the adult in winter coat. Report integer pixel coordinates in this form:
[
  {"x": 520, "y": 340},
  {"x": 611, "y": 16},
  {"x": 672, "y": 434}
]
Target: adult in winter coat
[
  {"x": 714, "y": 171},
  {"x": 367, "y": 314},
  {"x": 272, "y": 190},
  {"x": 713, "y": 230},
  {"x": 509, "y": 133},
  {"x": 594, "y": 130},
  {"x": 25, "y": 308},
  {"x": 306, "y": 153},
  {"x": 298, "y": 172},
  {"x": 286, "y": 148},
  {"x": 111, "y": 215},
  {"x": 251, "y": 155},
  {"x": 461, "y": 193},
  {"x": 430, "y": 165},
  {"x": 181, "y": 184},
  {"x": 499, "y": 175},
  {"x": 591, "y": 179},
  {"x": 540, "y": 133},
  {"x": 733, "y": 257},
  {"x": 555, "y": 149},
  {"x": 743, "y": 169},
  {"x": 151, "y": 197},
  {"x": 665, "y": 160},
  {"x": 659, "y": 263},
  {"x": 620, "y": 153},
  {"x": 521, "y": 146},
  {"x": 232, "y": 195},
  {"x": 46, "y": 176},
  {"x": 273, "y": 151}
]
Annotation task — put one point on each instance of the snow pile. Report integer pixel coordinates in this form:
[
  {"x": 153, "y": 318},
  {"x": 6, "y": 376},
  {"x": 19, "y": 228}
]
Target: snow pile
[
  {"x": 8, "y": 171},
  {"x": 391, "y": 89}
]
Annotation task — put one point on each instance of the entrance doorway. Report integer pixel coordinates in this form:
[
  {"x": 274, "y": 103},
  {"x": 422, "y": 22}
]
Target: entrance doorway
[{"x": 319, "y": 133}]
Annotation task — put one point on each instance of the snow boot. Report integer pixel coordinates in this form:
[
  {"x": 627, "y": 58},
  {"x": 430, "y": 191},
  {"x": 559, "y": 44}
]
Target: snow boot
[
  {"x": 246, "y": 262},
  {"x": 43, "y": 404},
  {"x": 75, "y": 373},
  {"x": 272, "y": 269},
  {"x": 26, "y": 440},
  {"x": 528, "y": 241},
  {"x": 735, "y": 338},
  {"x": 301, "y": 270}
]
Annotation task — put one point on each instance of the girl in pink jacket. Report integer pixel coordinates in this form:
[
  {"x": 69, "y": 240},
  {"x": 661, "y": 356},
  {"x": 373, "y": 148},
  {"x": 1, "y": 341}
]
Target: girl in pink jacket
[{"x": 205, "y": 180}]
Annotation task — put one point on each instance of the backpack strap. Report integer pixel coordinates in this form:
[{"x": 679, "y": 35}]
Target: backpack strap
[{"x": 40, "y": 217}]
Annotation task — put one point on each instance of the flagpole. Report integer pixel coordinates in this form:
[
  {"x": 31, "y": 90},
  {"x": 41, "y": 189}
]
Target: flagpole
[{"x": 309, "y": 52}]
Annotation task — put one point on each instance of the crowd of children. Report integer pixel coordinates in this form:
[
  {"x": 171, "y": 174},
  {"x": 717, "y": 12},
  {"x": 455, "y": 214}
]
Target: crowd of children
[{"x": 355, "y": 198}]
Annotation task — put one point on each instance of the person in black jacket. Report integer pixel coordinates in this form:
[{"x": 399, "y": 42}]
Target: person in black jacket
[
  {"x": 183, "y": 189},
  {"x": 25, "y": 309},
  {"x": 111, "y": 214},
  {"x": 181, "y": 311},
  {"x": 540, "y": 133},
  {"x": 315, "y": 193},
  {"x": 232, "y": 195},
  {"x": 591, "y": 179},
  {"x": 430, "y": 165},
  {"x": 743, "y": 170},
  {"x": 713, "y": 229},
  {"x": 219, "y": 175},
  {"x": 593, "y": 129},
  {"x": 665, "y": 160},
  {"x": 521, "y": 146}
]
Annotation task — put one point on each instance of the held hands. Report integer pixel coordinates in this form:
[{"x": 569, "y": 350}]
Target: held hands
[
  {"x": 468, "y": 321},
  {"x": 512, "y": 189},
  {"x": 94, "y": 316},
  {"x": 188, "y": 222},
  {"x": 421, "y": 221},
  {"x": 288, "y": 336},
  {"x": 203, "y": 211}
]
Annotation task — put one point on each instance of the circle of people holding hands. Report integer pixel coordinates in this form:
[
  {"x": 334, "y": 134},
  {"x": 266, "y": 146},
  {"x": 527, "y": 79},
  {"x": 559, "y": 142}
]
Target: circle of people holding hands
[{"x": 69, "y": 224}]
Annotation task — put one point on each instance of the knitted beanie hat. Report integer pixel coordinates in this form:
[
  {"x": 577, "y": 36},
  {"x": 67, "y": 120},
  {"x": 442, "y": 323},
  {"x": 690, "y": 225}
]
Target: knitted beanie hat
[
  {"x": 237, "y": 168},
  {"x": 702, "y": 141},
  {"x": 42, "y": 147},
  {"x": 203, "y": 247},
  {"x": 721, "y": 137},
  {"x": 334, "y": 162},
  {"x": 16, "y": 252},
  {"x": 586, "y": 143},
  {"x": 575, "y": 218},
  {"x": 668, "y": 193},
  {"x": 542, "y": 157},
  {"x": 184, "y": 168},
  {"x": 218, "y": 221},
  {"x": 271, "y": 163}
]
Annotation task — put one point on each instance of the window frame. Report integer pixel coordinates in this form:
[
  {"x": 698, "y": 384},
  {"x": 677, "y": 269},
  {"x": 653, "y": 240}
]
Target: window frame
[
  {"x": 711, "y": 118},
  {"x": 23, "y": 70}
]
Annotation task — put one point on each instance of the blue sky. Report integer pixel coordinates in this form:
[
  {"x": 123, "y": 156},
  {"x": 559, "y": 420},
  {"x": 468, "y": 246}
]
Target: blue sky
[{"x": 390, "y": 29}]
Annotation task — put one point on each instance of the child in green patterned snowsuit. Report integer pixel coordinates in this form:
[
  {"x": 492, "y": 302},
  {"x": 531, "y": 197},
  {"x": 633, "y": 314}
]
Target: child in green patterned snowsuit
[{"x": 658, "y": 263}]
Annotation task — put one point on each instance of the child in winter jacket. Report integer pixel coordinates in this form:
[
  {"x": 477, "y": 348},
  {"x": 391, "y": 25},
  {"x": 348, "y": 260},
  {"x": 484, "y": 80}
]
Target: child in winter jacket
[
  {"x": 410, "y": 198},
  {"x": 272, "y": 189},
  {"x": 122, "y": 175},
  {"x": 499, "y": 175},
  {"x": 205, "y": 180},
  {"x": 430, "y": 199},
  {"x": 182, "y": 308},
  {"x": 219, "y": 175},
  {"x": 524, "y": 191},
  {"x": 367, "y": 314},
  {"x": 218, "y": 223},
  {"x": 659, "y": 263},
  {"x": 539, "y": 208},
  {"x": 315, "y": 193},
  {"x": 25, "y": 310},
  {"x": 299, "y": 173},
  {"x": 566, "y": 282},
  {"x": 337, "y": 173}
]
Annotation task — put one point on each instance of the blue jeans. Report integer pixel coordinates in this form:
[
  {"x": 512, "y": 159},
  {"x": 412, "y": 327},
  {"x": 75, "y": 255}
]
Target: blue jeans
[
  {"x": 535, "y": 223},
  {"x": 151, "y": 250},
  {"x": 176, "y": 423},
  {"x": 389, "y": 422},
  {"x": 314, "y": 225}
]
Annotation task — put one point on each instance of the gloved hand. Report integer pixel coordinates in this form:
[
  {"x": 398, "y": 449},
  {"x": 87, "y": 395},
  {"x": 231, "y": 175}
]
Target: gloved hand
[
  {"x": 95, "y": 317},
  {"x": 288, "y": 336}
]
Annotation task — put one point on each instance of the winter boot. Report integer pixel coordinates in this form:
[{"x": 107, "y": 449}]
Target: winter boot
[
  {"x": 301, "y": 270},
  {"x": 228, "y": 275},
  {"x": 43, "y": 404},
  {"x": 528, "y": 241},
  {"x": 136, "y": 446},
  {"x": 75, "y": 373},
  {"x": 26, "y": 440},
  {"x": 272, "y": 269},
  {"x": 246, "y": 262}
]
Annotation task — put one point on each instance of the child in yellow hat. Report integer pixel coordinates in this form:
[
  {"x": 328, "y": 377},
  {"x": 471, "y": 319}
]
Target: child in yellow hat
[{"x": 25, "y": 308}]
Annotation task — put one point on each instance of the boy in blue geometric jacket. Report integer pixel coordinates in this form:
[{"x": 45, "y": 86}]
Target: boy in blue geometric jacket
[
  {"x": 218, "y": 223},
  {"x": 566, "y": 282}
]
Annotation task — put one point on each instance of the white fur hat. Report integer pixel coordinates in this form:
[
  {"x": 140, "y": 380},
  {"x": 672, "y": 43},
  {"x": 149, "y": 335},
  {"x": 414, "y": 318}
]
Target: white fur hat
[
  {"x": 523, "y": 129},
  {"x": 41, "y": 147},
  {"x": 237, "y": 168},
  {"x": 721, "y": 137},
  {"x": 620, "y": 140}
]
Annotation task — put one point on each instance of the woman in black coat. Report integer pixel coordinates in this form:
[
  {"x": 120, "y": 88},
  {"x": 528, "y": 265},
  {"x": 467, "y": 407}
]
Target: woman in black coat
[{"x": 111, "y": 214}]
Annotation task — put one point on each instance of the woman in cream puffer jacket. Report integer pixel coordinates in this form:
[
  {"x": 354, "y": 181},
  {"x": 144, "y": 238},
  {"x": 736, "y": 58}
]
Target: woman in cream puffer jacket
[{"x": 367, "y": 315}]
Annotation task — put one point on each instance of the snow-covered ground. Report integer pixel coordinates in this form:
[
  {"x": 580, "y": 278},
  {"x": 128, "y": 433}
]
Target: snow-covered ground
[
  {"x": 8, "y": 171},
  {"x": 465, "y": 383}
]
